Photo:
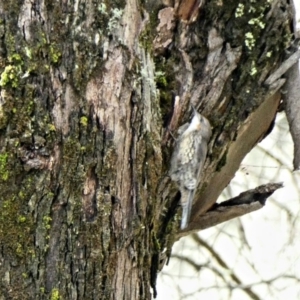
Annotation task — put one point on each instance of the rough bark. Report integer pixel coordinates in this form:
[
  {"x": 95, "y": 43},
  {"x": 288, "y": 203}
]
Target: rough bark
[{"x": 90, "y": 92}]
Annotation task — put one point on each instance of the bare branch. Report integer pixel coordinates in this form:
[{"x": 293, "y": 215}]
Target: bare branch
[
  {"x": 244, "y": 203},
  {"x": 223, "y": 263},
  {"x": 286, "y": 65}
]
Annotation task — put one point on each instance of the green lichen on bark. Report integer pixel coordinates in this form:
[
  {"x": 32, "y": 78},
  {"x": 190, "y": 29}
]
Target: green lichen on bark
[
  {"x": 3, "y": 166},
  {"x": 22, "y": 116},
  {"x": 16, "y": 225},
  {"x": 55, "y": 295},
  {"x": 72, "y": 170},
  {"x": 21, "y": 64},
  {"x": 166, "y": 84}
]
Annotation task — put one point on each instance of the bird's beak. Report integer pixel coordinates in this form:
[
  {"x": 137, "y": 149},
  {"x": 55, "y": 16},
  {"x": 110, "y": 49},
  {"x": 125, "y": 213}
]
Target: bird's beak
[{"x": 194, "y": 109}]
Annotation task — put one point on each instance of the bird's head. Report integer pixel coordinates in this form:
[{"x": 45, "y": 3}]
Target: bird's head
[{"x": 200, "y": 123}]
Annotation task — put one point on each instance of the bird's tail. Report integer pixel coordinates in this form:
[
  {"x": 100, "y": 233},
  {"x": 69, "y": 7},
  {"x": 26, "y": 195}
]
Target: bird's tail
[{"x": 186, "y": 202}]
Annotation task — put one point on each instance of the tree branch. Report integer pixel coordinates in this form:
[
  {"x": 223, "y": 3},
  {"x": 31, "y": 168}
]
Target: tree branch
[
  {"x": 244, "y": 203},
  {"x": 285, "y": 66},
  {"x": 234, "y": 277}
]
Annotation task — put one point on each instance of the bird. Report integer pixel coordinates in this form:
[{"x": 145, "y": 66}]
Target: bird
[{"x": 188, "y": 159}]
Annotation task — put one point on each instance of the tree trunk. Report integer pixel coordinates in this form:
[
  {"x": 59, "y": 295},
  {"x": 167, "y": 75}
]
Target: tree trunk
[{"x": 91, "y": 93}]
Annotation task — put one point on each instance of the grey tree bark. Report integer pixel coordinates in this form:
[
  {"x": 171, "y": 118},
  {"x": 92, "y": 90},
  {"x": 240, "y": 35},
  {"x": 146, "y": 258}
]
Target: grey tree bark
[{"x": 91, "y": 92}]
